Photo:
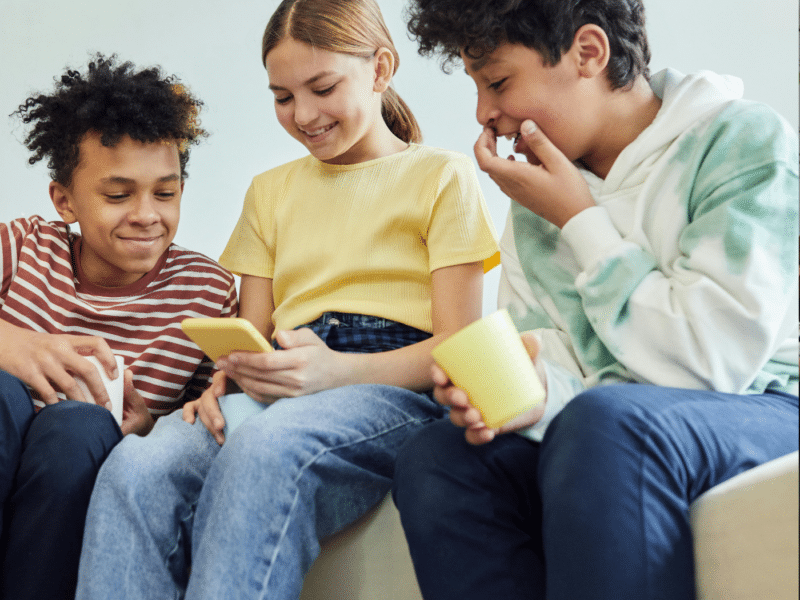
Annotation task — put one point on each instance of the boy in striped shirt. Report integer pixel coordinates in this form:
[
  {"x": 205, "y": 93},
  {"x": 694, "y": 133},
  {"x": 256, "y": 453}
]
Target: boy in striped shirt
[{"x": 117, "y": 142}]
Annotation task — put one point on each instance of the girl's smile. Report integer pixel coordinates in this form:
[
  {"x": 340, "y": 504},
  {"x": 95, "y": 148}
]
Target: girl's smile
[{"x": 331, "y": 101}]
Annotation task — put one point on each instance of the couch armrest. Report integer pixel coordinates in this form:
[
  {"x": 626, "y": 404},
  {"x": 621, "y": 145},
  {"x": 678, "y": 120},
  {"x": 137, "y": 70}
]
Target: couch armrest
[{"x": 746, "y": 534}]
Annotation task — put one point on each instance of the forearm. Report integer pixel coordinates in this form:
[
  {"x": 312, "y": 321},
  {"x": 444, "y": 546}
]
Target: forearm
[
  {"x": 408, "y": 367},
  {"x": 455, "y": 302}
]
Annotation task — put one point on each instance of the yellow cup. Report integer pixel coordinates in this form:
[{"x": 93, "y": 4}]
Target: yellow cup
[{"x": 488, "y": 360}]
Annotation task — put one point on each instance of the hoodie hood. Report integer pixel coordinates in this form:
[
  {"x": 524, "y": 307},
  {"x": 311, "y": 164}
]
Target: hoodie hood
[{"x": 687, "y": 101}]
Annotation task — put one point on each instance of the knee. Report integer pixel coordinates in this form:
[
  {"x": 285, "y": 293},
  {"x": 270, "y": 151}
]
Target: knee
[
  {"x": 426, "y": 466},
  {"x": 15, "y": 401},
  {"x": 428, "y": 452},
  {"x": 597, "y": 415},
  {"x": 65, "y": 446},
  {"x": 72, "y": 430},
  {"x": 597, "y": 437},
  {"x": 278, "y": 450},
  {"x": 72, "y": 422},
  {"x": 174, "y": 451},
  {"x": 11, "y": 387},
  {"x": 16, "y": 415}
]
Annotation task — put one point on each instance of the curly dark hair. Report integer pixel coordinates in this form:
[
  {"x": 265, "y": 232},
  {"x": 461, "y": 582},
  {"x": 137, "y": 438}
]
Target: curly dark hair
[
  {"x": 114, "y": 100},
  {"x": 477, "y": 27}
]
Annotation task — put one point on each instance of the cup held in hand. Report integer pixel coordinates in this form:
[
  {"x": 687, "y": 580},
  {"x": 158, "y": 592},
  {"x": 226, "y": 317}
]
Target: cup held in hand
[
  {"x": 488, "y": 360},
  {"x": 114, "y": 387}
]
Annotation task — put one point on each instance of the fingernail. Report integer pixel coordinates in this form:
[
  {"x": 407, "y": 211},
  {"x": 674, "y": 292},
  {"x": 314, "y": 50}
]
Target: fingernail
[{"x": 528, "y": 127}]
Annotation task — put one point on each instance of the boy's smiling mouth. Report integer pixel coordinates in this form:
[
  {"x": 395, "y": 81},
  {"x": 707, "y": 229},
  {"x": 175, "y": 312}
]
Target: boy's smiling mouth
[{"x": 141, "y": 242}]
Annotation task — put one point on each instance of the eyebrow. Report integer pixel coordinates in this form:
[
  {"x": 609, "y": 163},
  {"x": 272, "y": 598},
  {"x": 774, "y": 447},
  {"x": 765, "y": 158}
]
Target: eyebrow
[
  {"x": 310, "y": 81},
  {"x": 127, "y": 180},
  {"x": 480, "y": 63}
]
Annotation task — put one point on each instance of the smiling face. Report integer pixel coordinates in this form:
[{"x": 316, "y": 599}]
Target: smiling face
[
  {"x": 329, "y": 101},
  {"x": 126, "y": 199},
  {"x": 514, "y": 84}
]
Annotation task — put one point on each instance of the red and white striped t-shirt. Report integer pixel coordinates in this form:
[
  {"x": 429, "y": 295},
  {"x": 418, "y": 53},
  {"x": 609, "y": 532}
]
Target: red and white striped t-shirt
[{"x": 43, "y": 289}]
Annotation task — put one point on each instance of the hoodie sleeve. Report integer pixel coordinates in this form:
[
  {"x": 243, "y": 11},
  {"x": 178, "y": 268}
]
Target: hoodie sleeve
[
  {"x": 723, "y": 314},
  {"x": 701, "y": 294}
]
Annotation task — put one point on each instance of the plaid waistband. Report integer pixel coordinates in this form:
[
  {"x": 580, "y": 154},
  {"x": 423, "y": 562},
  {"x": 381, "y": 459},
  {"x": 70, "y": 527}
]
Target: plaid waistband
[{"x": 347, "y": 332}]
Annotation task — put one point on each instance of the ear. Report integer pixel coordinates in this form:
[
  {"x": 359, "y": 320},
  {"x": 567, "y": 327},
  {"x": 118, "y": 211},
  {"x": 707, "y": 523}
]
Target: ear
[
  {"x": 384, "y": 69},
  {"x": 591, "y": 50},
  {"x": 62, "y": 200}
]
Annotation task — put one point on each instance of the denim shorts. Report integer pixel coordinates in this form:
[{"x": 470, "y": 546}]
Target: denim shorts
[{"x": 363, "y": 334}]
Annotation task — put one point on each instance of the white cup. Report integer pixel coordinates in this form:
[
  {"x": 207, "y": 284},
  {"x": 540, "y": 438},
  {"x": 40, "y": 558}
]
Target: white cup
[{"x": 114, "y": 387}]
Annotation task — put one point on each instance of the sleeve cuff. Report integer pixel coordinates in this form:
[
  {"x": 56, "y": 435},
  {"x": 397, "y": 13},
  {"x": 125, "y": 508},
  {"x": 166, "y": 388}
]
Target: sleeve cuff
[
  {"x": 592, "y": 235},
  {"x": 562, "y": 387}
]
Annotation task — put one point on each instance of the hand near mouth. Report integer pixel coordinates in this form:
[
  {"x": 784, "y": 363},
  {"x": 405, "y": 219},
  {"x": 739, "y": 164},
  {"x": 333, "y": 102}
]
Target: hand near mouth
[{"x": 548, "y": 184}]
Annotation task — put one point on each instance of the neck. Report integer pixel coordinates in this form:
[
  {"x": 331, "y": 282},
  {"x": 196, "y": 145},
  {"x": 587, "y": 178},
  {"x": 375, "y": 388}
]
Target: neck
[{"x": 628, "y": 113}]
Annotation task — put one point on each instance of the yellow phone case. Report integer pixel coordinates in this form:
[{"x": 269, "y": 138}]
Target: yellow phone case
[{"x": 221, "y": 336}]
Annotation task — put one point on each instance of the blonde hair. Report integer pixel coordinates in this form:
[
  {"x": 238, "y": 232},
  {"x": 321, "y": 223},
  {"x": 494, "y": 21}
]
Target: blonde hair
[{"x": 354, "y": 27}]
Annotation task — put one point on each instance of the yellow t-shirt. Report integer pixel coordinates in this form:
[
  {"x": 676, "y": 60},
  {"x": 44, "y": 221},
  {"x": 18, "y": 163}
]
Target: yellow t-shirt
[{"x": 361, "y": 238}]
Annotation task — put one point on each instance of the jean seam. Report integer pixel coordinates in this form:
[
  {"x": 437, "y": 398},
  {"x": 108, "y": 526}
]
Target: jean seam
[{"x": 177, "y": 546}]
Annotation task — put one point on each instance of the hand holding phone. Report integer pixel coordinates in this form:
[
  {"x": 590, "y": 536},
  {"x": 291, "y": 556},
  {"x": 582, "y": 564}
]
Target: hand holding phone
[{"x": 221, "y": 336}]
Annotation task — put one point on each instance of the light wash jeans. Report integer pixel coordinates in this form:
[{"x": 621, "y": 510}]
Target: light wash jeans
[{"x": 246, "y": 517}]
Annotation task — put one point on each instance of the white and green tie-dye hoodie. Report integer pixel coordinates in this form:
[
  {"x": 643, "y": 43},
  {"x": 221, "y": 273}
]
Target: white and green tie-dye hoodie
[{"x": 685, "y": 273}]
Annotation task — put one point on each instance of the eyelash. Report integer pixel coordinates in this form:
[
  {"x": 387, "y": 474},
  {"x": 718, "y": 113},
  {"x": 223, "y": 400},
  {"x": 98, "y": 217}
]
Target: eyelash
[
  {"x": 496, "y": 85},
  {"x": 324, "y": 92},
  {"x": 161, "y": 195}
]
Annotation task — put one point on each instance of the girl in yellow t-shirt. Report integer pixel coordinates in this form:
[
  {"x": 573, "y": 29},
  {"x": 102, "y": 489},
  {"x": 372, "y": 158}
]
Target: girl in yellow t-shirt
[{"x": 356, "y": 260}]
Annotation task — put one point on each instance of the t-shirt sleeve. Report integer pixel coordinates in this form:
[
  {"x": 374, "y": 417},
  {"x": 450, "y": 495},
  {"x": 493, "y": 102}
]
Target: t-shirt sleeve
[
  {"x": 461, "y": 228},
  {"x": 12, "y": 236},
  {"x": 251, "y": 247}
]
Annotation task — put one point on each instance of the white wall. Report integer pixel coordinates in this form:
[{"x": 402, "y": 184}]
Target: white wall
[{"x": 214, "y": 47}]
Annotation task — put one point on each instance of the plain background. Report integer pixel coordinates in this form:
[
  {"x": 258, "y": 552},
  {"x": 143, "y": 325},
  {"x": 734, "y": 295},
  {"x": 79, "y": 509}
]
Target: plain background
[{"x": 213, "y": 46}]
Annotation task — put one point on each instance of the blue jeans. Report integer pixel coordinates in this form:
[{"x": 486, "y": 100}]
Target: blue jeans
[
  {"x": 246, "y": 518},
  {"x": 598, "y": 510},
  {"x": 48, "y": 464}
]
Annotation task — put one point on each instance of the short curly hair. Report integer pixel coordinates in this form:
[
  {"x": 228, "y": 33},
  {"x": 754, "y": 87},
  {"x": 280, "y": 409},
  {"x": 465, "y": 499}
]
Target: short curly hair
[
  {"x": 477, "y": 27},
  {"x": 113, "y": 100}
]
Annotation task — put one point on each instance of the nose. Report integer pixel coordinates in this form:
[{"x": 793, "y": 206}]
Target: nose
[
  {"x": 305, "y": 110},
  {"x": 486, "y": 112},
  {"x": 144, "y": 210}
]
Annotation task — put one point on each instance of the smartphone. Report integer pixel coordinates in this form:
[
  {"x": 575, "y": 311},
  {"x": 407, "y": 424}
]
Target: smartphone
[{"x": 221, "y": 336}]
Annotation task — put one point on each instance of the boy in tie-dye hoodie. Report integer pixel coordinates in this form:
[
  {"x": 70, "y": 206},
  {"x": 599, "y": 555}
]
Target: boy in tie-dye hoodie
[{"x": 651, "y": 253}]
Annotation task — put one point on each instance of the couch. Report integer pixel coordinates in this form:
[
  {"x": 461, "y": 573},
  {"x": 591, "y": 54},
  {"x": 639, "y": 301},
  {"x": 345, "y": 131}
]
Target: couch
[{"x": 745, "y": 543}]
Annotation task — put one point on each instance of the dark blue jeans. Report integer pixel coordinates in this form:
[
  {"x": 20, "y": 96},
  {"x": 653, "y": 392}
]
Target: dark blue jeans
[
  {"x": 598, "y": 510},
  {"x": 48, "y": 464}
]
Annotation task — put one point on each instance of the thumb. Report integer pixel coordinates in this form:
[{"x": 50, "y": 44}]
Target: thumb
[
  {"x": 540, "y": 145},
  {"x": 128, "y": 388},
  {"x": 218, "y": 383},
  {"x": 531, "y": 344}
]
